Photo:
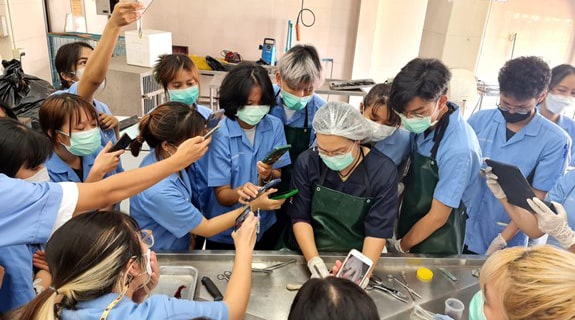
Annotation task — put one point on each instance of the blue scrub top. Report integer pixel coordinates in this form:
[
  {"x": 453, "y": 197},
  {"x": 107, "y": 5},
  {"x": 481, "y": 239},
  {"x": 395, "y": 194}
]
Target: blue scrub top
[
  {"x": 396, "y": 146},
  {"x": 564, "y": 193},
  {"x": 540, "y": 147},
  {"x": 155, "y": 307},
  {"x": 166, "y": 208},
  {"x": 232, "y": 160},
  {"x": 568, "y": 125},
  {"x": 29, "y": 210},
  {"x": 17, "y": 288},
  {"x": 203, "y": 110},
  {"x": 298, "y": 118},
  {"x": 459, "y": 162},
  {"x": 107, "y": 135},
  {"x": 60, "y": 171},
  {"x": 198, "y": 173}
]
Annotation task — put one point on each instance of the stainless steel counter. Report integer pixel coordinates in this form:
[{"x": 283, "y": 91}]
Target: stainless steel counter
[{"x": 270, "y": 299}]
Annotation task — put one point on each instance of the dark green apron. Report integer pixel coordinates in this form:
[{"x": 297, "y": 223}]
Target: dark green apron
[
  {"x": 299, "y": 139},
  {"x": 337, "y": 218},
  {"x": 420, "y": 184}
]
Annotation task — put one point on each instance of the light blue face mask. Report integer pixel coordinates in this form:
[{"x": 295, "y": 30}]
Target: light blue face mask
[
  {"x": 476, "y": 307},
  {"x": 294, "y": 102},
  {"x": 84, "y": 143},
  {"x": 252, "y": 115},
  {"x": 188, "y": 96},
  {"x": 417, "y": 124}
]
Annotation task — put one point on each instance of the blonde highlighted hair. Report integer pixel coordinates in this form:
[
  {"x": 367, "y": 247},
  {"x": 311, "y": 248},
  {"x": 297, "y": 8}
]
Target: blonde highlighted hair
[{"x": 534, "y": 283}]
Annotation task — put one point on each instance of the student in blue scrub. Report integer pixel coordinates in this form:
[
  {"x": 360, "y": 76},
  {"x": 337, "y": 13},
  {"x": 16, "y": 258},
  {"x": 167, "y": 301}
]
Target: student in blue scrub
[
  {"x": 180, "y": 78},
  {"x": 246, "y": 136},
  {"x": 299, "y": 73},
  {"x": 389, "y": 138},
  {"x": 347, "y": 192},
  {"x": 443, "y": 180},
  {"x": 82, "y": 69},
  {"x": 32, "y": 211},
  {"x": 70, "y": 123},
  {"x": 561, "y": 96},
  {"x": 517, "y": 134},
  {"x": 104, "y": 269},
  {"x": 23, "y": 157},
  {"x": 169, "y": 208}
]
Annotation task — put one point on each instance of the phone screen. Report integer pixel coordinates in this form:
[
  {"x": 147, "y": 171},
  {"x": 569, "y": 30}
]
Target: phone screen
[
  {"x": 353, "y": 269},
  {"x": 209, "y": 134},
  {"x": 214, "y": 119}
]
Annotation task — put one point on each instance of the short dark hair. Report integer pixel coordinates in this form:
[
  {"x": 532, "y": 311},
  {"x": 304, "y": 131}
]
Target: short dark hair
[
  {"x": 168, "y": 65},
  {"x": 423, "y": 78},
  {"x": 378, "y": 97},
  {"x": 237, "y": 85},
  {"x": 524, "y": 78},
  {"x": 559, "y": 73},
  {"x": 66, "y": 59},
  {"x": 21, "y": 146},
  {"x": 332, "y": 298}
]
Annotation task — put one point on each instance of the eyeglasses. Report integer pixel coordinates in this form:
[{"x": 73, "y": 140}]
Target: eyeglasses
[
  {"x": 147, "y": 237},
  {"x": 334, "y": 153},
  {"x": 519, "y": 110}
]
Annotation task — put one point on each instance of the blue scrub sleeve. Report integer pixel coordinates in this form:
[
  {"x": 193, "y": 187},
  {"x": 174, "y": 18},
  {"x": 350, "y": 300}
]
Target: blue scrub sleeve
[
  {"x": 220, "y": 161},
  {"x": 552, "y": 164},
  {"x": 455, "y": 171},
  {"x": 170, "y": 209}
]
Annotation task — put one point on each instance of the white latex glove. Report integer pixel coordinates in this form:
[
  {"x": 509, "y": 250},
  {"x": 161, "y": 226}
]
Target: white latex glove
[
  {"x": 396, "y": 245},
  {"x": 497, "y": 244},
  {"x": 492, "y": 184},
  {"x": 553, "y": 224},
  {"x": 317, "y": 268}
]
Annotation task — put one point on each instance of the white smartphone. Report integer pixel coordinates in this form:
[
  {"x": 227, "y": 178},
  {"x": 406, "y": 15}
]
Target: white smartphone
[{"x": 356, "y": 267}]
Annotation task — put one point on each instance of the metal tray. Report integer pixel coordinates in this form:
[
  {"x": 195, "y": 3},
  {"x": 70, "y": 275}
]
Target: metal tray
[{"x": 172, "y": 277}]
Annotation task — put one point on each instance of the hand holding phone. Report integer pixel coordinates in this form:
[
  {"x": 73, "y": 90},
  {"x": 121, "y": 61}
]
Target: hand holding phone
[
  {"x": 284, "y": 195},
  {"x": 122, "y": 144},
  {"x": 276, "y": 154},
  {"x": 214, "y": 119},
  {"x": 211, "y": 132},
  {"x": 355, "y": 268}
]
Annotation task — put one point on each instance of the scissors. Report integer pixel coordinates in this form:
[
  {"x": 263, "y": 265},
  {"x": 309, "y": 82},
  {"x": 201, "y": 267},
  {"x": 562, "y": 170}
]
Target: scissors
[
  {"x": 376, "y": 283},
  {"x": 224, "y": 275}
]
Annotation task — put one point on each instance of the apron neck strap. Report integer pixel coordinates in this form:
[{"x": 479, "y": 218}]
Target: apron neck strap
[{"x": 439, "y": 131}]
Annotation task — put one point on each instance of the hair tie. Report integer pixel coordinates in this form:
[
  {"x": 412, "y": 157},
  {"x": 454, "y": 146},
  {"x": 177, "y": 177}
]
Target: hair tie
[
  {"x": 140, "y": 139},
  {"x": 54, "y": 289}
]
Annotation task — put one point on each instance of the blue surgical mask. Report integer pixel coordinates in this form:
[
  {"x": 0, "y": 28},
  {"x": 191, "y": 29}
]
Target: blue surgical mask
[
  {"x": 252, "y": 115},
  {"x": 188, "y": 96},
  {"x": 339, "y": 162},
  {"x": 84, "y": 143},
  {"x": 294, "y": 102},
  {"x": 476, "y": 307}
]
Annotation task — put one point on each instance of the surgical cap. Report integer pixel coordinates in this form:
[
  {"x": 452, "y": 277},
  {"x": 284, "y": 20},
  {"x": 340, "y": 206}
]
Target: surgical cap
[{"x": 341, "y": 119}]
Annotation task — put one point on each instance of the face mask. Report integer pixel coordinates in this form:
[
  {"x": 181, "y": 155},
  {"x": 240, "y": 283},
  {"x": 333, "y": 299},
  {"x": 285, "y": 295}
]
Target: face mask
[
  {"x": 339, "y": 162},
  {"x": 418, "y": 124},
  {"x": 294, "y": 102},
  {"x": 79, "y": 74},
  {"x": 513, "y": 117},
  {"x": 380, "y": 131},
  {"x": 149, "y": 261},
  {"x": 556, "y": 103},
  {"x": 476, "y": 307},
  {"x": 84, "y": 143},
  {"x": 252, "y": 115},
  {"x": 188, "y": 96},
  {"x": 40, "y": 176}
]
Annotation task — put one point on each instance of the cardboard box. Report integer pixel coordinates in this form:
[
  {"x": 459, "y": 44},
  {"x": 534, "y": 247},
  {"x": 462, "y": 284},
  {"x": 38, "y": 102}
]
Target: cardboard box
[{"x": 145, "y": 51}]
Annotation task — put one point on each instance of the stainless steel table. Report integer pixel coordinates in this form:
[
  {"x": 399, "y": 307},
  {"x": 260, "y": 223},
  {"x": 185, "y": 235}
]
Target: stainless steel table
[{"x": 270, "y": 299}]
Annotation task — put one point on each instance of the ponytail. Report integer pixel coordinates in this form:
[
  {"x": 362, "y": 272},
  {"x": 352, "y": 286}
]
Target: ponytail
[{"x": 43, "y": 307}]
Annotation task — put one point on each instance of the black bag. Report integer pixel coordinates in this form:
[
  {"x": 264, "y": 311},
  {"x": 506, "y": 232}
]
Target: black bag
[{"x": 23, "y": 93}]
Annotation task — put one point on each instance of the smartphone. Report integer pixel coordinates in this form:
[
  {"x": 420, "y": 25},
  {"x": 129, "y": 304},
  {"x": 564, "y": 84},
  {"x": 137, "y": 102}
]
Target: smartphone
[
  {"x": 122, "y": 144},
  {"x": 209, "y": 134},
  {"x": 214, "y": 119},
  {"x": 356, "y": 268},
  {"x": 241, "y": 218},
  {"x": 266, "y": 187},
  {"x": 284, "y": 195},
  {"x": 276, "y": 154}
]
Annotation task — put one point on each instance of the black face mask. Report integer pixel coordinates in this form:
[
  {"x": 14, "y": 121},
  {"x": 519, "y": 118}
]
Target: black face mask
[{"x": 514, "y": 117}]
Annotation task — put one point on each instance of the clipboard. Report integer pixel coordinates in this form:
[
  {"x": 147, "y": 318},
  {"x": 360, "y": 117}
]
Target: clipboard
[{"x": 514, "y": 184}]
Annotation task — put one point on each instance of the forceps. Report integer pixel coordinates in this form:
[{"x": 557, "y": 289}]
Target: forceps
[
  {"x": 378, "y": 284},
  {"x": 271, "y": 268},
  {"x": 411, "y": 292},
  {"x": 224, "y": 275}
]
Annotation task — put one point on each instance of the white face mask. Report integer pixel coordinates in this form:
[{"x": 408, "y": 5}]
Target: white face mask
[
  {"x": 380, "y": 131},
  {"x": 40, "y": 176},
  {"x": 149, "y": 262},
  {"x": 556, "y": 103},
  {"x": 79, "y": 74}
]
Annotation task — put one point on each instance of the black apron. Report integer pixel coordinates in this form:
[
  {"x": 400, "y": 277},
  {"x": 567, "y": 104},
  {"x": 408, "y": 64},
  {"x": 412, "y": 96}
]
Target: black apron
[
  {"x": 299, "y": 139},
  {"x": 420, "y": 184}
]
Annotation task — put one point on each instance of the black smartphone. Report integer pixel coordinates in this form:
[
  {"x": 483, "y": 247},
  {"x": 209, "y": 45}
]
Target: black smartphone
[
  {"x": 276, "y": 154},
  {"x": 241, "y": 218},
  {"x": 122, "y": 144},
  {"x": 214, "y": 118},
  {"x": 209, "y": 134}
]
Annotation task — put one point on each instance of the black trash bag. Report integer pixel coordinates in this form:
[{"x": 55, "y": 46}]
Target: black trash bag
[{"x": 22, "y": 92}]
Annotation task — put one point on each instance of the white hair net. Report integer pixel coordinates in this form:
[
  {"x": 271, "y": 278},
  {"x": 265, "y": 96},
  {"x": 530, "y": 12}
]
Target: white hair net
[{"x": 341, "y": 119}]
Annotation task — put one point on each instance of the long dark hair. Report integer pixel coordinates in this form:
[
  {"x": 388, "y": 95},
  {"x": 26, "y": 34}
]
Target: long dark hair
[{"x": 66, "y": 59}]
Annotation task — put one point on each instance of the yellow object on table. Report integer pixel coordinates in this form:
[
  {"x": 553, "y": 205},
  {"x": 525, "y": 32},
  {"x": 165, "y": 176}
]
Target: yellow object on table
[
  {"x": 424, "y": 274},
  {"x": 200, "y": 62}
]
